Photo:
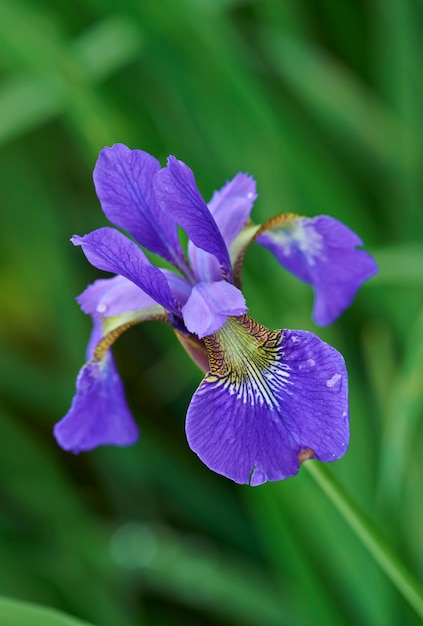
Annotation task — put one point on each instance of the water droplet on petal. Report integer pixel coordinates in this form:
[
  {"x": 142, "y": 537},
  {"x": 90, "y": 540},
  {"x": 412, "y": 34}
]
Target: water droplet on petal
[{"x": 331, "y": 382}]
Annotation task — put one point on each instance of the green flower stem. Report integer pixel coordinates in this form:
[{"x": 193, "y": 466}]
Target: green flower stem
[{"x": 370, "y": 536}]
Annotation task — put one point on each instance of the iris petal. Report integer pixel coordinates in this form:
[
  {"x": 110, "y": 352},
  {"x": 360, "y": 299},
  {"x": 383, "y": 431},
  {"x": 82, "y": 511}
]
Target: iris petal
[
  {"x": 113, "y": 296},
  {"x": 271, "y": 400},
  {"x": 109, "y": 250},
  {"x": 209, "y": 306},
  {"x": 123, "y": 179},
  {"x": 179, "y": 287},
  {"x": 177, "y": 193},
  {"x": 322, "y": 252},
  {"x": 99, "y": 414},
  {"x": 231, "y": 207}
]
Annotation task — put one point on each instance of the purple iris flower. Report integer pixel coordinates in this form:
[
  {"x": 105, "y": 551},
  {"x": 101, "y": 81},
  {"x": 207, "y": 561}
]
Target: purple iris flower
[{"x": 270, "y": 399}]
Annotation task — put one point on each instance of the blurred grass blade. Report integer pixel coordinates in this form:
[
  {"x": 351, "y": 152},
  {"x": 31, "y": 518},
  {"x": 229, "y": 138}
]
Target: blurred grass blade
[
  {"x": 21, "y": 22},
  {"x": 399, "y": 265},
  {"x": 190, "y": 569},
  {"x": 379, "y": 351},
  {"x": 31, "y": 97},
  {"x": 25, "y": 484},
  {"x": 291, "y": 556},
  {"x": 399, "y": 50},
  {"x": 26, "y": 102},
  {"x": 336, "y": 97},
  {"x": 405, "y": 408},
  {"x": 15, "y": 369},
  {"x": 18, "y": 613},
  {"x": 370, "y": 536},
  {"x": 106, "y": 47}
]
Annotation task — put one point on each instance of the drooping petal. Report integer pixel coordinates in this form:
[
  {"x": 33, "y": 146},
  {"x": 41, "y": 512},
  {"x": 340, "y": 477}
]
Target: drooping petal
[
  {"x": 99, "y": 414},
  {"x": 323, "y": 252},
  {"x": 108, "y": 297},
  {"x": 231, "y": 207},
  {"x": 271, "y": 400},
  {"x": 113, "y": 296},
  {"x": 177, "y": 194},
  {"x": 96, "y": 335},
  {"x": 209, "y": 306},
  {"x": 109, "y": 250},
  {"x": 123, "y": 180}
]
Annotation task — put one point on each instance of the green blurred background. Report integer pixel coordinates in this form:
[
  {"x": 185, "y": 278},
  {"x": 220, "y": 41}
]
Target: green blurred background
[{"x": 321, "y": 101}]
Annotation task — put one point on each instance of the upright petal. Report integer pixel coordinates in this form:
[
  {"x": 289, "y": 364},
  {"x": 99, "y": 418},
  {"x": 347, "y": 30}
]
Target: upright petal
[
  {"x": 99, "y": 414},
  {"x": 323, "y": 252},
  {"x": 209, "y": 306},
  {"x": 231, "y": 208},
  {"x": 123, "y": 180},
  {"x": 177, "y": 193},
  {"x": 110, "y": 251},
  {"x": 205, "y": 266},
  {"x": 271, "y": 400}
]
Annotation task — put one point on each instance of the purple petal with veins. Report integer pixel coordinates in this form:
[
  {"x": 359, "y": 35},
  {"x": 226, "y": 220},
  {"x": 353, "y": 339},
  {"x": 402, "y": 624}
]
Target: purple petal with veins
[
  {"x": 209, "y": 306},
  {"x": 231, "y": 207},
  {"x": 123, "y": 180},
  {"x": 113, "y": 296},
  {"x": 271, "y": 400},
  {"x": 177, "y": 193},
  {"x": 99, "y": 414},
  {"x": 109, "y": 250},
  {"x": 322, "y": 252}
]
